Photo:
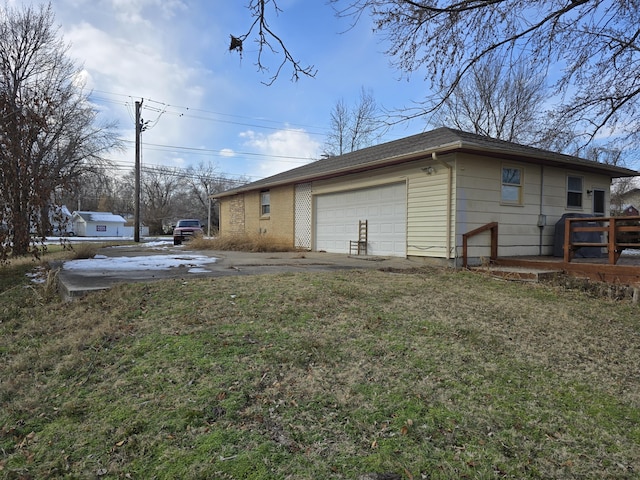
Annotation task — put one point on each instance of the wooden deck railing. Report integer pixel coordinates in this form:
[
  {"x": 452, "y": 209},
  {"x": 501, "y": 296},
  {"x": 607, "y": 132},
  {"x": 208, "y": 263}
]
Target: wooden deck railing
[
  {"x": 493, "y": 226},
  {"x": 616, "y": 234}
]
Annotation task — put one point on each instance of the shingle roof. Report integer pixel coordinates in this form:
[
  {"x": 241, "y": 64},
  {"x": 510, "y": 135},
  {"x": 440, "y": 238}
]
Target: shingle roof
[
  {"x": 441, "y": 140},
  {"x": 105, "y": 217}
]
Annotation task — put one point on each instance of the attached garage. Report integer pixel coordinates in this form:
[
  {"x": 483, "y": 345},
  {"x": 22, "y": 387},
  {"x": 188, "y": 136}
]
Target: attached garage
[
  {"x": 384, "y": 207},
  {"x": 420, "y": 195}
]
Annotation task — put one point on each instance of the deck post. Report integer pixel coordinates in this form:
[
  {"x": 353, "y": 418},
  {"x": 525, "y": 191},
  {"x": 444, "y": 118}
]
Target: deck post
[
  {"x": 494, "y": 241},
  {"x": 612, "y": 241},
  {"x": 567, "y": 240}
]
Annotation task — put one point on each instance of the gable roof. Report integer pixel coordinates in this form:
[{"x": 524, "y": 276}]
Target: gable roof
[
  {"x": 105, "y": 217},
  {"x": 441, "y": 141}
]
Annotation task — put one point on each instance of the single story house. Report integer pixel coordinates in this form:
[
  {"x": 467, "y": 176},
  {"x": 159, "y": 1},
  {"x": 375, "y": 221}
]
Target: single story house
[
  {"x": 97, "y": 224},
  {"x": 420, "y": 194},
  {"x": 60, "y": 219},
  {"x": 630, "y": 201}
]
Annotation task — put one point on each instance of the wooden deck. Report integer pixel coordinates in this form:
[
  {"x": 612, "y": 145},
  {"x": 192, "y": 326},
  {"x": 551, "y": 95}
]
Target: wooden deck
[
  {"x": 626, "y": 271},
  {"x": 618, "y": 236}
]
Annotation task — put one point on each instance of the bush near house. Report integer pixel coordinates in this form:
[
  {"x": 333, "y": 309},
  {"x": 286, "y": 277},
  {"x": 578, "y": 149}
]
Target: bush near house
[{"x": 243, "y": 243}]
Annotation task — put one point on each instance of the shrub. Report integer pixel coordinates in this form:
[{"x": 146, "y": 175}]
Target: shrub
[
  {"x": 84, "y": 250},
  {"x": 244, "y": 243}
]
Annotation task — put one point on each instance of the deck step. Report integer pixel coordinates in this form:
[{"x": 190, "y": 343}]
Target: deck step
[{"x": 521, "y": 274}]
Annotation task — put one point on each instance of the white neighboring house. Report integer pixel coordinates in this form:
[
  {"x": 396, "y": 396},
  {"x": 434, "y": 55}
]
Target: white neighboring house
[
  {"x": 60, "y": 219},
  {"x": 98, "y": 224}
]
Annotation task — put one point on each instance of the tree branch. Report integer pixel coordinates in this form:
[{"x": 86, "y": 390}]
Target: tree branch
[{"x": 265, "y": 36}]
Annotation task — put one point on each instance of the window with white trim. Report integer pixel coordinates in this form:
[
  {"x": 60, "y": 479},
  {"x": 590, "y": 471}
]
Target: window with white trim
[
  {"x": 511, "y": 190},
  {"x": 574, "y": 192},
  {"x": 265, "y": 203}
]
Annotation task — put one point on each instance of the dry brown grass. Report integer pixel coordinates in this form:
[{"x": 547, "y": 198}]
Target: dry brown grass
[
  {"x": 84, "y": 250},
  {"x": 244, "y": 243}
]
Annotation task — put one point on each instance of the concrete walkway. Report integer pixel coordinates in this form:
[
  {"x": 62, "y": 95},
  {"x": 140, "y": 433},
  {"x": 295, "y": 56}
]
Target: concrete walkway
[{"x": 96, "y": 275}]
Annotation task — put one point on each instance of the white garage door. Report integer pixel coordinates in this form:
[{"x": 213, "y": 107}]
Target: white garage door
[{"x": 385, "y": 207}]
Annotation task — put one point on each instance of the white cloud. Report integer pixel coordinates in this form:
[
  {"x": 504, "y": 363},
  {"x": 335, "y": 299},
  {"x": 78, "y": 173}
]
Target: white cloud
[
  {"x": 289, "y": 148},
  {"x": 115, "y": 64}
]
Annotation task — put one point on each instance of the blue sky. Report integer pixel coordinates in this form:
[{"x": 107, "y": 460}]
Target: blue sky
[{"x": 205, "y": 104}]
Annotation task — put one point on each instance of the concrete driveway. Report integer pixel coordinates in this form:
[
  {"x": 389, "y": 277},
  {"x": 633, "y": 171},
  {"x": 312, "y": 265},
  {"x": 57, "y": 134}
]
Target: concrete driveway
[{"x": 142, "y": 263}]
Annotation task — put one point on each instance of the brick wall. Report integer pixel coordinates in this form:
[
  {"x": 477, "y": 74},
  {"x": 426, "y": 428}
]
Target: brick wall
[
  {"x": 280, "y": 222},
  {"x": 232, "y": 215},
  {"x": 242, "y": 214}
]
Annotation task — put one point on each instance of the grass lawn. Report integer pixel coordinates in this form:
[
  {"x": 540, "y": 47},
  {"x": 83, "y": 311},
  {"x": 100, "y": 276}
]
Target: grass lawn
[{"x": 431, "y": 374}]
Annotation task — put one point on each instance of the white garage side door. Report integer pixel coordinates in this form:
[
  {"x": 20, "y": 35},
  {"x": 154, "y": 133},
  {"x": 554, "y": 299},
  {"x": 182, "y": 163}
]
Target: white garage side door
[{"x": 385, "y": 207}]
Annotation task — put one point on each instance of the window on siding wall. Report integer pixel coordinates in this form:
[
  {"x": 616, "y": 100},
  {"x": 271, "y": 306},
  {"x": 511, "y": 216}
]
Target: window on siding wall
[
  {"x": 265, "y": 203},
  {"x": 574, "y": 192},
  {"x": 511, "y": 185}
]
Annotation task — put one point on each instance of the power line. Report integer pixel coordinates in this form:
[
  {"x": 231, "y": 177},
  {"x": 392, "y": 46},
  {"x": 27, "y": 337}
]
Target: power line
[
  {"x": 183, "y": 111},
  {"x": 221, "y": 153},
  {"x": 123, "y": 166}
]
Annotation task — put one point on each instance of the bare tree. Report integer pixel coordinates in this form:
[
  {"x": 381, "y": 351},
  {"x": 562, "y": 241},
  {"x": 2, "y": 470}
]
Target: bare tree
[
  {"x": 353, "y": 128},
  {"x": 161, "y": 188},
  {"x": 168, "y": 194},
  {"x": 498, "y": 100},
  {"x": 49, "y": 133},
  {"x": 620, "y": 188},
  {"x": 94, "y": 189},
  {"x": 605, "y": 154},
  {"x": 595, "y": 45},
  {"x": 267, "y": 39}
]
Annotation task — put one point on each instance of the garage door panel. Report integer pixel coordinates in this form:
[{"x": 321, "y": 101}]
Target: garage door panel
[
  {"x": 337, "y": 215},
  {"x": 387, "y": 228}
]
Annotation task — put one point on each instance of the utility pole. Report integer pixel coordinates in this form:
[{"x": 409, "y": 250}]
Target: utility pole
[{"x": 136, "y": 214}]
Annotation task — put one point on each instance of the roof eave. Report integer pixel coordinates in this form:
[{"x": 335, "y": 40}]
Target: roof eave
[
  {"x": 386, "y": 162},
  {"x": 554, "y": 160},
  {"x": 536, "y": 157}
]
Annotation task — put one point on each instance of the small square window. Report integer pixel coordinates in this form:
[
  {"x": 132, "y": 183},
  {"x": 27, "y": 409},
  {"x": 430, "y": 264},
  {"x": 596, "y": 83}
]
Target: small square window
[
  {"x": 574, "y": 192},
  {"x": 265, "y": 204},
  {"x": 511, "y": 190}
]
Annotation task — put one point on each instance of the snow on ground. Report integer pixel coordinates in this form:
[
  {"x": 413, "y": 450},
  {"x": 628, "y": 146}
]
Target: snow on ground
[
  {"x": 37, "y": 275},
  {"x": 194, "y": 262},
  {"x": 144, "y": 241}
]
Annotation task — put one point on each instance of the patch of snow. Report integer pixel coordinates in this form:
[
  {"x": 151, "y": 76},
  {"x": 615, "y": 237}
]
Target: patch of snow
[
  {"x": 143, "y": 262},
  {"x": 151, "y": 244},
  {"x": 199, "y": 270},
  {"x": 37, "y": 275}
]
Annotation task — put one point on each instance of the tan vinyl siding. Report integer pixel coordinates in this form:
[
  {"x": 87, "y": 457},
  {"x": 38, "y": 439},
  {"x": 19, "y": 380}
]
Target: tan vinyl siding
[
  {"x": 366, "y": 179},
  {"x": 427, "y": 213},
  {"x": 479, "y": 194}
]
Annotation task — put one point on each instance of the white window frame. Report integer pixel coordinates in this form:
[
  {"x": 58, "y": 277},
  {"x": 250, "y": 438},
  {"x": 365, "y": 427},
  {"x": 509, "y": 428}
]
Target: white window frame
[
  {"x": 265, "y": 203},
  {"x": 578, "y": 194}
]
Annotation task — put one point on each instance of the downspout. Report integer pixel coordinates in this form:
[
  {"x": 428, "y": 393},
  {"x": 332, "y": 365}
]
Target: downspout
[
  {"x": 449, "y": 168},
  {"x": 542, "y": 220}
]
